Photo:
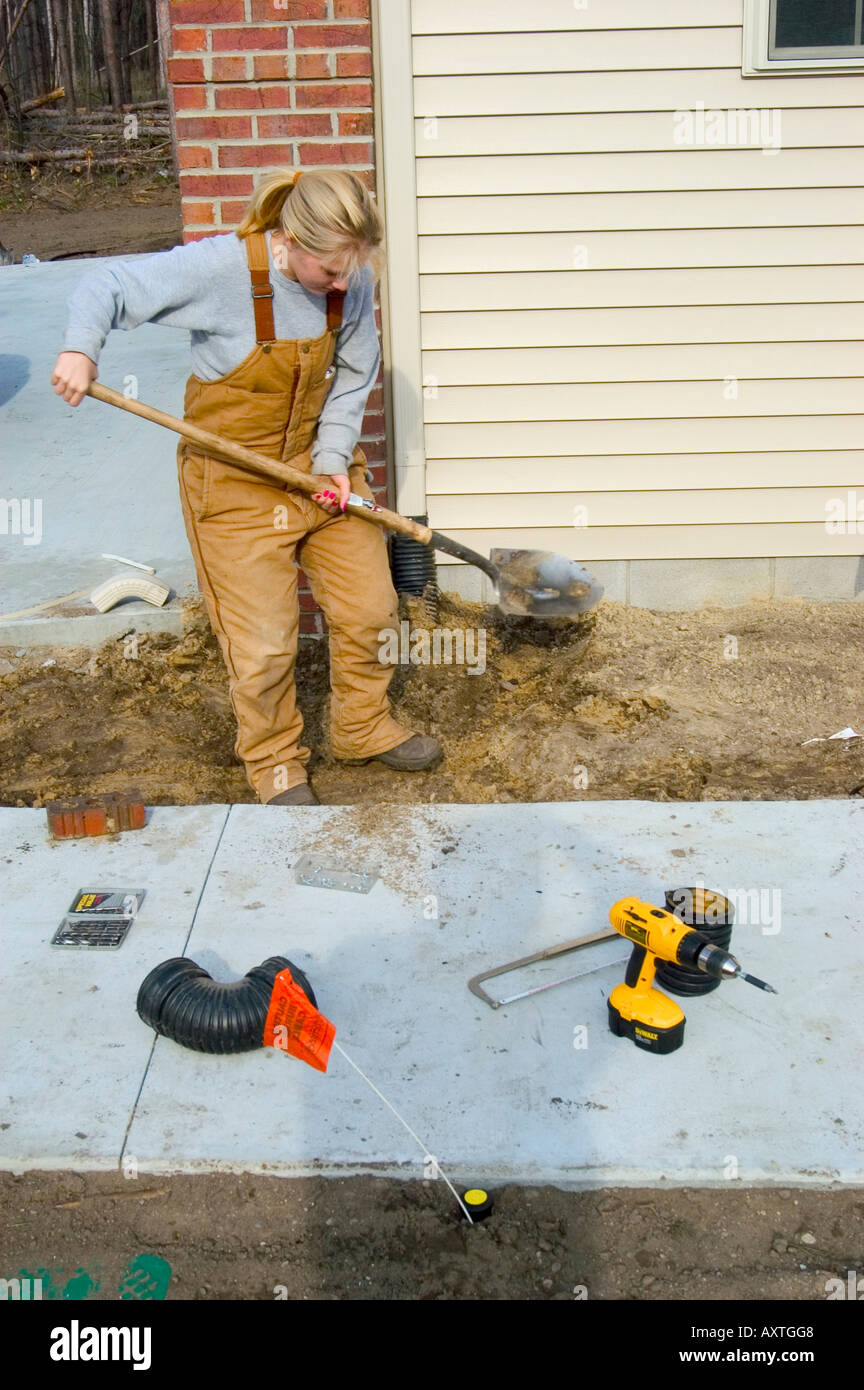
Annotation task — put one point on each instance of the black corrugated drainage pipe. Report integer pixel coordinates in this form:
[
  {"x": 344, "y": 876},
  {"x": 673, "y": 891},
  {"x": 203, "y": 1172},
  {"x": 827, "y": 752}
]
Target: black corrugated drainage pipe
[
  {"x": 712, "y": 915},
  {"x": 184, "y": 1003},
  {"x": 412, "y": 566}
]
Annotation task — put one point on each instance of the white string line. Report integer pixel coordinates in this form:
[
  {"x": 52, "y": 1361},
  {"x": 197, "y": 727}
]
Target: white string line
[{"x": 407, "y": 1126}]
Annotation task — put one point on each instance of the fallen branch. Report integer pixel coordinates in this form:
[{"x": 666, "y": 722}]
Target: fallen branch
[
  {"x": 84, "y": 129},
  {"x": 105, "y": 118},
  {"x": 57, "y": 95},
  {"x": 133, "y": 106},
  {"x": 70, "y": 158}
]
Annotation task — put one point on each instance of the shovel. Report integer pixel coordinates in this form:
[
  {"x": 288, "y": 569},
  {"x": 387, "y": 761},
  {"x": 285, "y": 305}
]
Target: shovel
[{"x": 528, "y": 583}]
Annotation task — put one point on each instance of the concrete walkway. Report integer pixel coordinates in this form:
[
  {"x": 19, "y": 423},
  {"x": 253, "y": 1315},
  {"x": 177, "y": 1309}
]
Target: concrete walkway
[
  {"x": 765, "y": 1090},
  {"x": 103, "y": 479}
]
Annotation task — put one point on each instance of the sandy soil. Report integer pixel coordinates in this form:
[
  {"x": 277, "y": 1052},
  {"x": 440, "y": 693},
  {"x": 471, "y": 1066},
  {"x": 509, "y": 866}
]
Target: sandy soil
[
  {"x": 623, "y": 703},
  {"x": 244, "y": 1237}
]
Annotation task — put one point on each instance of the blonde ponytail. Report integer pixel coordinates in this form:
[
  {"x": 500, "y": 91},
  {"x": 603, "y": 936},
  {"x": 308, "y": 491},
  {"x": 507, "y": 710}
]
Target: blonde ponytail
[
  {"x": 262, "y": 214},
  {"x": 329, "y": 213}
]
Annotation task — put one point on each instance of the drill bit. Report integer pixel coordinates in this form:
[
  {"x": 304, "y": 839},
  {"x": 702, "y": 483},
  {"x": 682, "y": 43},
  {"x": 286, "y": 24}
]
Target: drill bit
[
  {"x": 722, "y": 966},
  {"x": 752, "y": 980}
]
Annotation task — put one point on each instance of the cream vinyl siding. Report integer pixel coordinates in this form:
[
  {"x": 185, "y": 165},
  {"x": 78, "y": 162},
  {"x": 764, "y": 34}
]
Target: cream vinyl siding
[
  {"x": 666, "y": 338},
  {"x": 477, "y": 16}
]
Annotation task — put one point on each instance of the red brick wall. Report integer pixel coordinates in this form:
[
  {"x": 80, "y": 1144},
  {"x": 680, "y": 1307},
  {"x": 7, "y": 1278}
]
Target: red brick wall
[{"x": 260, "y": 84}]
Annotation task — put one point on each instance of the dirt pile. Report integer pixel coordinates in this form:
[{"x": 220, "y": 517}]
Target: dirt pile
[{"x": 622, "y": 703}]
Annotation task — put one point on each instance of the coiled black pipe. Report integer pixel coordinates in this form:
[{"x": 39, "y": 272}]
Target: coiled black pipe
[
  {"x": 412, "y": 566},
  {"x": 184, "y": 1003},
  {"x": 708, "y": 913}
]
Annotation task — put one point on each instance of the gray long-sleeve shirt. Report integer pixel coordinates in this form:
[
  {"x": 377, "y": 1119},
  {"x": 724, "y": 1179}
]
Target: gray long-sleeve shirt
[{"x": 205, "y": 287}]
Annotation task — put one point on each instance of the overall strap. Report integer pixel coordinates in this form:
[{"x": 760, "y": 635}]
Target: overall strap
[
  {"x": 262, "y": 290},
  {"x": 335, "y": 300}
]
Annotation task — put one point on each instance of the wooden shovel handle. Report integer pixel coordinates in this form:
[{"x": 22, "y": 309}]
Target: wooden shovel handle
[{"x": 255, "y": 462}]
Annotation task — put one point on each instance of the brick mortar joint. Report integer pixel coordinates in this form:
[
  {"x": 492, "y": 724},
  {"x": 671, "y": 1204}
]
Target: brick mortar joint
[
  {"x": 324, "y": 138},
  {"x": 303, "y": 25},
  {"x": 213, "y": 142}
]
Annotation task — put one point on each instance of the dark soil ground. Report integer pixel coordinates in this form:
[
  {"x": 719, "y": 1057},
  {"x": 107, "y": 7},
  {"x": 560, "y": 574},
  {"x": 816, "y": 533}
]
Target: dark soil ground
[{"x": 249, "y": 1237}]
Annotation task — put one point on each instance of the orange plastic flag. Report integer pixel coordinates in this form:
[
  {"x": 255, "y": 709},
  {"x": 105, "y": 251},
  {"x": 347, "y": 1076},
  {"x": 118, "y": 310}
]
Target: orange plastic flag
[{"x": 295, "y": 1026}]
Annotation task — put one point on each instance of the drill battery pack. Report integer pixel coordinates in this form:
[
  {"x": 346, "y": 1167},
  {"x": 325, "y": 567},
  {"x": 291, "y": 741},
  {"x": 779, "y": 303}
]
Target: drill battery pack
[{"x": 652, "y": 1037}]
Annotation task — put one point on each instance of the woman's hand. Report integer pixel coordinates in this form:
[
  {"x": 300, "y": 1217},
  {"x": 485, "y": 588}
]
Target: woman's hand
[
  {"x": 73, "y": 373},
  {"x": 333, "y": 501}
]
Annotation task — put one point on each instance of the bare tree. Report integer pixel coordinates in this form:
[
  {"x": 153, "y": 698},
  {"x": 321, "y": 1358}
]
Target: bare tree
[
  {"x": 73, "y": 27},
  {"x": 152, "y": 47},
  {"x": 56, "y": 51},
  {"x": 109, "y": 44},
  {"x": 163, "y": 23},
  {"x": 39, "y": 50},
  {"x": 63, "y": 51},
  {"x": 123, "y": 39},
  {"x": 163, "y": 26},
  {"x": 89, "y": 25}
]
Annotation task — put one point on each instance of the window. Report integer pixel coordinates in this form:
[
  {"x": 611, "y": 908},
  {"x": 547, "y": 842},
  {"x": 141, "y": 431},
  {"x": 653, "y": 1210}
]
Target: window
[{"x": 808, "y": 36}]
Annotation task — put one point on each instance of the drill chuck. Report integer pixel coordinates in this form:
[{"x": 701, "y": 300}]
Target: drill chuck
[{"x": 717, "y": 963}]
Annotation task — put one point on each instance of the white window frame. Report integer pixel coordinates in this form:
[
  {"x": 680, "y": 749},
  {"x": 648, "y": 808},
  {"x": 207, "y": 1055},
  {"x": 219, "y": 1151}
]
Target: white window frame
[{"x": 756, "y": 62}]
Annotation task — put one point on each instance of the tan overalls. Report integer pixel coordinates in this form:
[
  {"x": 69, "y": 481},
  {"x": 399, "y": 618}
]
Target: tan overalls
[{"x": 245, "y": 533}]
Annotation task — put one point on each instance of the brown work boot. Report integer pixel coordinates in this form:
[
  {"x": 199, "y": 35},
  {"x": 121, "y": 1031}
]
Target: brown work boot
[
  {"x": 414, "y": 755},
  {"x": 301, "y": 795}
]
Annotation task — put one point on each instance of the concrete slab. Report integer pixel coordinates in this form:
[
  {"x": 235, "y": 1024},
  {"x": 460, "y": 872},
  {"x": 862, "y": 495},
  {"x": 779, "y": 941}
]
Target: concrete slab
[
  {"x": 74, "y": 1052},
  {"x": 104, "y": 480},
  {"x": 764, "y": 1090},
  {"x": 92, "y": 629}
]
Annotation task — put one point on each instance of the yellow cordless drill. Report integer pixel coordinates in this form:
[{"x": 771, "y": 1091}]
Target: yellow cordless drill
[{"x": 636, "y": 1009}]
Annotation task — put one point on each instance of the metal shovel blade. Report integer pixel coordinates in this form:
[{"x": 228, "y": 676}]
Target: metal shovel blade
[{"x": 541, "y": 584}]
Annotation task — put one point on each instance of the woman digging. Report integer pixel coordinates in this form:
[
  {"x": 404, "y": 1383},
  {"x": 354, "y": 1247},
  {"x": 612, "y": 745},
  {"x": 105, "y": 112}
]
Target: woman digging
[{"x": 284, "y": 355}]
